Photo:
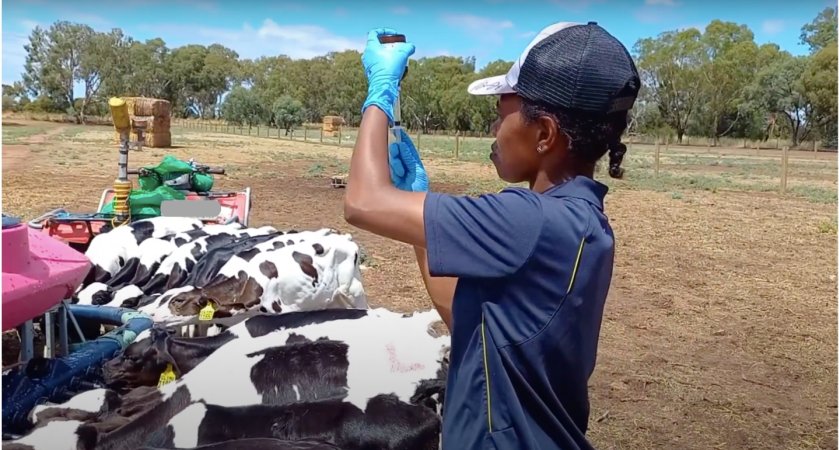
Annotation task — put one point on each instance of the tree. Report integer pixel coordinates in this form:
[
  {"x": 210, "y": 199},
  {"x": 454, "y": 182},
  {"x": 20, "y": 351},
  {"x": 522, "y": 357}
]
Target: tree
[
  {"x": 243, "y": 106},
  {"x": 728, "y": 64},
  {"x": 54, "y": 60},
  {"x": 14, "y": 96},
  {"x": 819, "y": 33},
  {"x": 146, "y": 72},
  {"x": 819, "y": 84},
  {"x": 288, "y": 113},
  {"x": 103, "y": 60},
  {"x": 778, "y": 89},
  {"x": 670, "y": 67}
]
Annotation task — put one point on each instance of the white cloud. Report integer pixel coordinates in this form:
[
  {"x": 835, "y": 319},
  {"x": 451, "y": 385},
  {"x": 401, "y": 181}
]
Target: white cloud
[
  {"x": 14, "y": 55},
  {"x": 420, "y": 53},
  {"x": 576, "y": 5},
  {"x": 655, "y": 13},
  {"x": 527, "y": 34},
  {"x": 91, "y": 20},
  {"x": 483, "y": 28},
  {"x": 271, "y": 38},
  {"x": 29, "y": 25},
  {"x": 476, "y": 23},
  {"x": 211, "y": 6},
  {"x": 773, "y": 26},
  {"x": 400, "y": 10}
]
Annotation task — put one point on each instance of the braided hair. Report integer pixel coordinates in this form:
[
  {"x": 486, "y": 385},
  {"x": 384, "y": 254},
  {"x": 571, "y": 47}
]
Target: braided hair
[{"x": 589, "y": 135}]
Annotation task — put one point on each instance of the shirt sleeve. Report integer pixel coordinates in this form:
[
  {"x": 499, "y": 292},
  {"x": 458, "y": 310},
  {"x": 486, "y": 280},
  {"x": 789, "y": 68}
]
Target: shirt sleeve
[{"x": 489, "y": 236}]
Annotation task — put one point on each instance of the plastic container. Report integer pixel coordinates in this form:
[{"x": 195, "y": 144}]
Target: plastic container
[{"x": 38, "y": 272}]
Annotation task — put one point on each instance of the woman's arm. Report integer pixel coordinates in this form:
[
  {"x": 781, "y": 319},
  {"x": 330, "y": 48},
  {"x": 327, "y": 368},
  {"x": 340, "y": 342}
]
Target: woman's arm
[
  {"x": 440, "y": 289},
  {"x": 372, "y": 203}
]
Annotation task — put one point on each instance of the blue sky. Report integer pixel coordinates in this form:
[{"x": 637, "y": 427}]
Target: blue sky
[{"x": 486, "y": 29}]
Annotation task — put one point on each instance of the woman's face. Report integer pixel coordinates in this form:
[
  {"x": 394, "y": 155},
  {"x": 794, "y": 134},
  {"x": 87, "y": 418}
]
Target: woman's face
[{"x": 514, "y": 150}]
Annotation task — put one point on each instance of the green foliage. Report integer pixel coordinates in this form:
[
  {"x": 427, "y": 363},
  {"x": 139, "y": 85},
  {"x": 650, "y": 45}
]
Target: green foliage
[
  {"x": 288, "y": 113},
  {"x": 821, "y": 32},
  {"x": 715, "y": 83},
  {"x": 244, "y": 107}
]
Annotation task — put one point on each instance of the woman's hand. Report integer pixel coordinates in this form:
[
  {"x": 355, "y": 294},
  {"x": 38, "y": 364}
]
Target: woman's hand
[
  {"x": 384, "y": 66},
  {"x": 406, "y": 169}
]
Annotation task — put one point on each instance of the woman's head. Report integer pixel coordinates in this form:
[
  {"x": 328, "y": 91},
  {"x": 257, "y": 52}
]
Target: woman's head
[
  {"x": 534, "y": 138},
  {"x": 562, "y": 105}
]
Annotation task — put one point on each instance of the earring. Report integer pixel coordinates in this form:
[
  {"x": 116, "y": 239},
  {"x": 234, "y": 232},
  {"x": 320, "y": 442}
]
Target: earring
[{"x": 540, "y": 149}]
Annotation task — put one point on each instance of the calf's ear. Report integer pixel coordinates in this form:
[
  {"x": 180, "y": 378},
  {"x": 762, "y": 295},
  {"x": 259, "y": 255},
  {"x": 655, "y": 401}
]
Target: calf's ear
[
  {"x": 88, "y": 436},
  {"x": 160, "y": 352}
]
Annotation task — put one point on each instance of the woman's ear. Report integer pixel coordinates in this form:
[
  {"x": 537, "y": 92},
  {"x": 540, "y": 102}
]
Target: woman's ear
[{"x": 548, "y": 133}]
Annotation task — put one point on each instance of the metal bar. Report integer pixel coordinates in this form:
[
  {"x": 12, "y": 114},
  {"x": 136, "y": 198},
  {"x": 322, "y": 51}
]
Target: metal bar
[
  {"x": 49, "y": 335},
  {"x": 123, "y": 156},
  {"x": 75, "y": 323},
  {"x": 27, "y": 338},
  {"x": 63, "y": 335}
]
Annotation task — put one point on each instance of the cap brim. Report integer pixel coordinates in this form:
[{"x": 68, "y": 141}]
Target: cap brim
[{"x": 491, "y": 86}]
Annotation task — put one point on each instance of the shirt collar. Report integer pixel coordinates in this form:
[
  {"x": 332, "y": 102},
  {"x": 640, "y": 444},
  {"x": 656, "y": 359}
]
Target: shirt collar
[{"x": 581, "y": 187}]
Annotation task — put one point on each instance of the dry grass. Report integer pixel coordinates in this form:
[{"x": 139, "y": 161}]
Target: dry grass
[{"x": 720, "y": 327}]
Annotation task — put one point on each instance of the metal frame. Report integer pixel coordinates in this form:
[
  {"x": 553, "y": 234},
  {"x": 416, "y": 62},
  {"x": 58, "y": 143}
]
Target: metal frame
[{"x": 26, "y": 331}]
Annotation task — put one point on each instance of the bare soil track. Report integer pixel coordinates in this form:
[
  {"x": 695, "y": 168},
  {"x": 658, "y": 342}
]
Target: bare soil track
[{"x": 719, "y": 330}]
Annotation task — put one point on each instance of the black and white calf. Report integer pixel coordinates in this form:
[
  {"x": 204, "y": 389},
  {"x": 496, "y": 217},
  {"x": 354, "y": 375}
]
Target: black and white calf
[
  {"x": 145, "y": 359},
  {"x": 373, "y": 368},
  {"x": 176, "y": 267},
  {"x": 297, "y": 271},
  {"x": 312, "y": 273},
  {"x": 138, "y": 269},
  {"x": 109, "y": 251},
  {"x": 384, "y": 423}
]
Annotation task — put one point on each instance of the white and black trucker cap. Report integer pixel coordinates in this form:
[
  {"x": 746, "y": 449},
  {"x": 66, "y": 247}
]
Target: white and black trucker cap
[{"x": 570, "y": 65}]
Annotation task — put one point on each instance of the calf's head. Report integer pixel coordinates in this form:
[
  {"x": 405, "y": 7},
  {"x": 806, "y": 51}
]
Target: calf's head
[
  {"x": 142, "y": 362},
  {"x": 227, "y": 296}
]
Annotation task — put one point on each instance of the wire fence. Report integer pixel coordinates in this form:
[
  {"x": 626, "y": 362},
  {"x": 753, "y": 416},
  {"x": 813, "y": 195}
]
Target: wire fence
[
  {"x": 651, "y": 162},
  {"x": 474, "y": 146}
]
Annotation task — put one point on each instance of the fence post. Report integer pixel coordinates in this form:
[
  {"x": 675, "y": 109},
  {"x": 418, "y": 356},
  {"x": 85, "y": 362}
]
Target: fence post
[
  {"x": 340, "y": 134},
  {"x": 305, "y": 134},
  {"x": 657, "y": 156},
  {"x": 457, "y": 145},
  {"x": 784, "y": 168},
  {"x": 419, "y": 135}
]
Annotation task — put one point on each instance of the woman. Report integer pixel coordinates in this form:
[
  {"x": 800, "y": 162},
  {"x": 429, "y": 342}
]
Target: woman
[{"x": 521, "y": 276}]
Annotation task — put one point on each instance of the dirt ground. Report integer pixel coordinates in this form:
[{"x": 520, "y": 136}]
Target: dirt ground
[{"x": 719, "y": 329}]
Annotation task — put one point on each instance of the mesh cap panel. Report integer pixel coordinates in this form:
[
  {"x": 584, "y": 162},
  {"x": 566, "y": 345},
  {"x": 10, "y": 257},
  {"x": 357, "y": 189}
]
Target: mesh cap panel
[{"x": 580, "y": 67}]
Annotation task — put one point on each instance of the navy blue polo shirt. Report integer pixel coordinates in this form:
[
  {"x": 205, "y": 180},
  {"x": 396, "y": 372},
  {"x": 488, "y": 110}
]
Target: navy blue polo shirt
[{"x": 534, "y": 271}]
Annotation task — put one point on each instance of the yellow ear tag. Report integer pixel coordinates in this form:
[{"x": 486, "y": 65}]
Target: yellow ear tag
[
  {"x": 207, "y": 312},
  {"x": 167, "y": 376}
]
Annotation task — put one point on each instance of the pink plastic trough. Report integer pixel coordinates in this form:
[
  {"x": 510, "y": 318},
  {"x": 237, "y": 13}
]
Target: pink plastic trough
[{"x": 38, "y": 272}]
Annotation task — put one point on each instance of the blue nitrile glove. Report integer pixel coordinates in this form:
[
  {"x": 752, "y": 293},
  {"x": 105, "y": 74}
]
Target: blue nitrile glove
[
  {"x": 384, "y": 66},
  {"x": 406, "y": 169}
]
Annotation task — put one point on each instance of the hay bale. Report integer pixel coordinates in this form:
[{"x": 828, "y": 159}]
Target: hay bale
[
  {"x": 144, "y": 106},
  {"x": 130, "y": 103},
  {"x": 159, "y": 139},
  {"x": 154, "y": 123},
  {"x": 332, "y": 124}
]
